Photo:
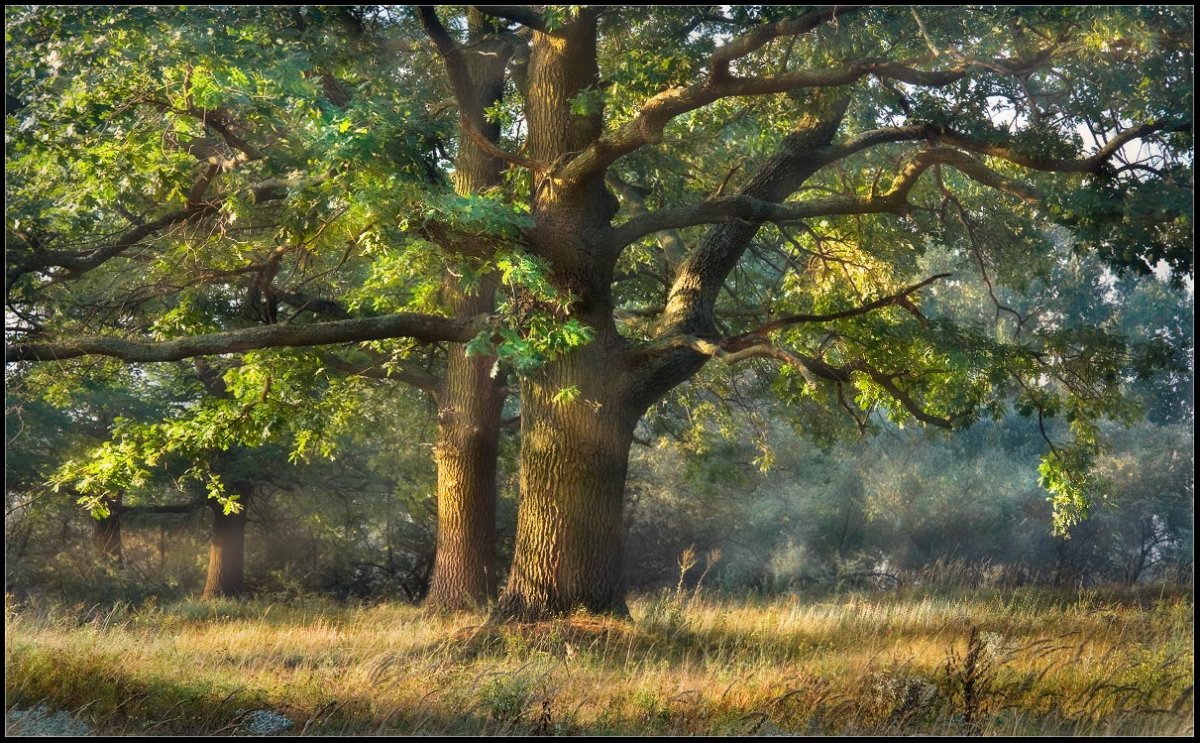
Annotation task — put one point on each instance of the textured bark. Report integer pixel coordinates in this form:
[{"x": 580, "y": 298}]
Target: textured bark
[
  {"x": 106, "y": 533},
  {"x": 574, "y": 454},
  {"x": 570, "y": 217},
  {"x": 470, "y": 399},
  {"x": 464, "y": 571},
  {"x": 227, "y": 551},
  {"x": 574, "y": 457}
]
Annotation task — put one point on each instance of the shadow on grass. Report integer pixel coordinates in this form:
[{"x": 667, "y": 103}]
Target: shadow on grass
[{"x": 101, "y": 691}]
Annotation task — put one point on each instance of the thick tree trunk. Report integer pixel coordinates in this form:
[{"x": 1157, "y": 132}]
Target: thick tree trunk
[
  {"x": 227, "y": 552},
  {"x": 470, "y": 399},
  {"x": 106, "y": 533},
  {"x": 576, "y": 416},
  {"x": 574, "y": 457}
]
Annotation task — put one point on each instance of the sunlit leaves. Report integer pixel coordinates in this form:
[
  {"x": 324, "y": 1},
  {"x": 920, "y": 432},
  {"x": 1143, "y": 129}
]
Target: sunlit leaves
[{"x": 535, "y": 326}]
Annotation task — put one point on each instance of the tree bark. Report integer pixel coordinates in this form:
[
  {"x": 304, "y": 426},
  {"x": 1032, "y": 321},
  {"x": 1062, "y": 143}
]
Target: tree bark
[
  {"x": 470, "y": 403},
  {"x": 574, "y": 459},
  {"x": 471, "y": 398},
  {"x": 227, "y": 550},
  {"x": 577, "y": 416}
]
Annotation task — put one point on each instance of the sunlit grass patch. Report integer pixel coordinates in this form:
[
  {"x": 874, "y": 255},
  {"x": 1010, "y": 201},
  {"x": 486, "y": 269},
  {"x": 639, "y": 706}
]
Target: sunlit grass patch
[{"x": 1025, "y": 662}]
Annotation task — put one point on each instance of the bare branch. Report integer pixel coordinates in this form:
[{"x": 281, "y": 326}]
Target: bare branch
[
  {"x": 490, "y": 148},
  {"x": 901, "y": 396},
  {"x": 400, "y": 370}
]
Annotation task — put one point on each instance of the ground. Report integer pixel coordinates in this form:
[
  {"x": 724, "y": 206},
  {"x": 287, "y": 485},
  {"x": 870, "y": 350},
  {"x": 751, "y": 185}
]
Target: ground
[{"x": 1022, "y": 661}]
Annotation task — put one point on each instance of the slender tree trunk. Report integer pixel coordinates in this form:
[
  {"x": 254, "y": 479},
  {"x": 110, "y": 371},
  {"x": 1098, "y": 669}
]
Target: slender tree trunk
[
  {"x": 106, "y": 533},
  {"x": 574, "y": 458},
  {"x": 227, "y": 551},
  {"x": 464, "y": 572},
  {"x": 471, "y": 399}
]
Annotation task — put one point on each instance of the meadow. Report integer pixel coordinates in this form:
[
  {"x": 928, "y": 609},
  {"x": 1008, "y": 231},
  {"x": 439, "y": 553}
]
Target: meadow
[{"x": 1024, "y": 661}]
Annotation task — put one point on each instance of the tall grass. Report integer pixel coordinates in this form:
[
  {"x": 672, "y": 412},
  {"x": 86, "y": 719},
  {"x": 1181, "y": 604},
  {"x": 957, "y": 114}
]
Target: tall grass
[{"x": 1021, "y": 662}]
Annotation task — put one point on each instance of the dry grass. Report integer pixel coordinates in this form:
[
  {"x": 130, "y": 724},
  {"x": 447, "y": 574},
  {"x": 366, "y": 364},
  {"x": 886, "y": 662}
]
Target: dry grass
[{"x": 1018, "y": 662}]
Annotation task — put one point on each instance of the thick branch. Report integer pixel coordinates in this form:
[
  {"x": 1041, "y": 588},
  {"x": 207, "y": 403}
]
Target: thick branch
[
  {"x": 424, "y": 328},
  {"x": 522, "y": 14},
  {"x": 749, "y": 209},
  {"x": 718, "y": 65},
  {"x": 647, "y": 127}
]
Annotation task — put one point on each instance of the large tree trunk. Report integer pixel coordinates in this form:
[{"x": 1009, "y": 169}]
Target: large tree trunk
[
  {"x": 576, "y": 416},
  {"x": 574, "y": 457},
  {"x": 106, "y": 533},
  {"x": 227, "y": 551},
  {"x": 471, "y": 398}
]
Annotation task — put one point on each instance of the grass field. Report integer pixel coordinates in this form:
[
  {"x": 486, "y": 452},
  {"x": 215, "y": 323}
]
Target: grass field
[{"x": 1024, "y": 661}]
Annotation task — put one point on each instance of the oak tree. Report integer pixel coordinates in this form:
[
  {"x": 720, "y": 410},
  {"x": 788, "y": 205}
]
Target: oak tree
[{"x": 657, "y": 189}]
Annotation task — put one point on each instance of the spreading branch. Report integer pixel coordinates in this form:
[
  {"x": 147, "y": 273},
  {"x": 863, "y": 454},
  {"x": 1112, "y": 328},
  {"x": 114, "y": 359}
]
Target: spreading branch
[
  {"x": 750, "y": 209},
  {"x": 423, "y": 328},
  {"x": 1093, "y": 164},
  {"x": 718, "y": 64},
  {"x": 814, "y": 369},
  {"x": 713, "y": 211},
  {"x": 648, "y": 125},
  {"x": 78, "y": 263},
  {"x": 899, "y": 299}
]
